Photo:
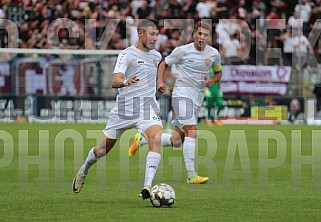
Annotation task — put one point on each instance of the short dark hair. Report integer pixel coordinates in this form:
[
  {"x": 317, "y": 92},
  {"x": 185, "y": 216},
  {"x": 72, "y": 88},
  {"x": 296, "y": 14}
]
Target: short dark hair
[
  {"x": 203, "y": 25},
  {"x": 144, "y": 23}
]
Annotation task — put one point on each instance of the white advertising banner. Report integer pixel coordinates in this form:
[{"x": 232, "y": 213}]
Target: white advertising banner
[{"x": 255, "y": 80}]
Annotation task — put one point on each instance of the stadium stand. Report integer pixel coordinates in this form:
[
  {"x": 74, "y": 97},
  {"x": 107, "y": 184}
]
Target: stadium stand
[
  {"x": 34, "y": 16},
  {"x": 239, "y": 32}
]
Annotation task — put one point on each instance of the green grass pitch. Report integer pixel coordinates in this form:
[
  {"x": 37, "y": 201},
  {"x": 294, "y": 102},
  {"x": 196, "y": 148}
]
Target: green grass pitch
[{"x": 257, "y": 173}]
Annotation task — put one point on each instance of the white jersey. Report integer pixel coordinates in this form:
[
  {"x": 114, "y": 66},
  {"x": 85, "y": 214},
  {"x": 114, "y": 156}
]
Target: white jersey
[
  {"x": 193, "y": 66},
  {"x": 141, "y": 95},
  {"x": 301, "y": 43}
]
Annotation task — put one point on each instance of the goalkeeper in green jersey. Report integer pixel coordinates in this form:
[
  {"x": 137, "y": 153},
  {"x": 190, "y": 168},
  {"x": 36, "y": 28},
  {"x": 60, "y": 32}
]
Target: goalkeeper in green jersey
[{"x": 213, "y": 95}]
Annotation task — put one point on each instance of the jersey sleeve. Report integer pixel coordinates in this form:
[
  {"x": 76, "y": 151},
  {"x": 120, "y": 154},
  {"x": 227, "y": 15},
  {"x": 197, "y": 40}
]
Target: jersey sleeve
[
  {"x": 217, "y": 59},
  {"x": 175, "y": 57},
  {"x": 121, "y": 63}
]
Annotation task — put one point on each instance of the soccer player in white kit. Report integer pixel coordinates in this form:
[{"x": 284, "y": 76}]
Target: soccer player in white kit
[
  {"x": 193, "y": 62},
  {"x": 135, "y": 77}
]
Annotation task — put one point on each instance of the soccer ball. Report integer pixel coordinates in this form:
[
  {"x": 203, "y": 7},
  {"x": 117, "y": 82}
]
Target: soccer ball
[{"x": 162, "y": 194}]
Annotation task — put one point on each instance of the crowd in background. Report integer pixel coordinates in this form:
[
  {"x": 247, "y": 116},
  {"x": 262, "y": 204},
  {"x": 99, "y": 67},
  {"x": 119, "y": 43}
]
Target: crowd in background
[{"x": 38, "y": 27}]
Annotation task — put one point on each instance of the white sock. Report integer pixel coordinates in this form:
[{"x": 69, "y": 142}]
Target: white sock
[
  {"x": 189, "y": 156},
  {"x": 152, "y": 162},
  {"x": 90, "y": 160},
  {"x": 166, "y": 139}
]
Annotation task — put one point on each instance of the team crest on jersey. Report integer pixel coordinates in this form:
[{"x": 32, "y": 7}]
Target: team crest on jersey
[
  {"x": 155, "y": 62},
  {"x": 208, "y": 62}
]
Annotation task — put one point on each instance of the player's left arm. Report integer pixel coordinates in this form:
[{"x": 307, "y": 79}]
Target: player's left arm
[
  {"x": 217, "y": 75},
  {"x": 217, "y": 72}
]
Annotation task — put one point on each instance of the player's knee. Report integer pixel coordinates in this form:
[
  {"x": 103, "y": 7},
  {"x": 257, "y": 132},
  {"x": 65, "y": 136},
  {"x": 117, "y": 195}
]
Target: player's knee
[
  {"x": 190, "y": 131},
  {"x": 155, "y": 141},
  {"x": 101, "y": 151},
  {"x": 176, "y": 142}
]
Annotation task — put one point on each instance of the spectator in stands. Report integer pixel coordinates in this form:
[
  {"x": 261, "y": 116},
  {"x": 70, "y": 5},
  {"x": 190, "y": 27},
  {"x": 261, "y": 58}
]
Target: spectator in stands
[
  {"x": 273, "y": 22},
  {"x": 273, "y": 35},
  {"x": 241, "y": 11},
  {"x": 2, "y": 14},
  {"x": 99, "y": 14},
  {"x": 89, "y": 42},
  {"x": 280, "y": 6},
  {"x": 287, "y": 39},
  {"x": 317, "y": 93},
  {"x": 257, "y": 11},
  {"x": 223, "y": 31},
  {"x": 295, "y": 109},
  {"x": 122, "y": 25},
  {"x": 162, "y": 38},
  {"x": 115, "y": 42},
  {"x": 304, "y": 9},
  {"x": 135, "y": 5},
  {"x": 258, "y": 49},
  {"x": 301, "y": 49},
  {"x": 316, "y": 25},
  {"x": 159, "y": 9},
  {"x": 144, "y": 11},
  {"x": 174, "y": 9},
  {"x": 189, "y": 8},
  {"x": 316, "y": 12},
  {"x": 230, "y": 50},
  {"x": 205, "y": 7},
  {"x": 294, "y": 22},
  {"x": 113, "y": 12},
  {"x": 39, "y": 14},
  {"x": 222, "y": 9}
]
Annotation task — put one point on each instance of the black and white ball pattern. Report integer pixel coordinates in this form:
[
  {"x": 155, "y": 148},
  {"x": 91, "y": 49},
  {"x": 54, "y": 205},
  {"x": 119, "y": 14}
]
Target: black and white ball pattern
[{"x": 162, "y": 194}]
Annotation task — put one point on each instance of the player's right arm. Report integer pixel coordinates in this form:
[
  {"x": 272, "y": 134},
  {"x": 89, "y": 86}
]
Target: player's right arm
[
  {"x": 119, "y": 79},
  {"x": 174, "y": 58}
]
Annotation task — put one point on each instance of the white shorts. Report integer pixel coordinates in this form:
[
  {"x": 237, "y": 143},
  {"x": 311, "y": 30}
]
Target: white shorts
[
  {"x": 186, "y": 112},
  {"x": 116, "y": 125}
]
